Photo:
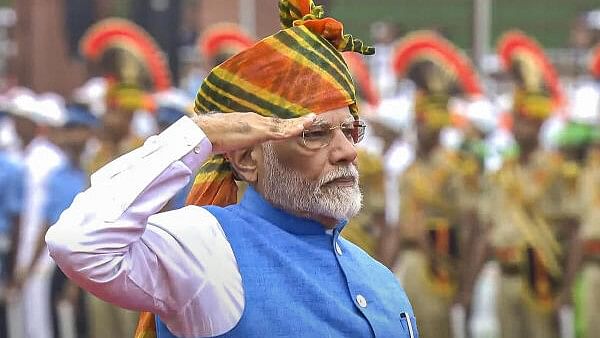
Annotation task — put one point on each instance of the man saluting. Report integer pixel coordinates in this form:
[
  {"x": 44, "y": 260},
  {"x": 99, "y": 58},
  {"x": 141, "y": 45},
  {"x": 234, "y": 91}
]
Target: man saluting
[{"x": 274, "y": 264}]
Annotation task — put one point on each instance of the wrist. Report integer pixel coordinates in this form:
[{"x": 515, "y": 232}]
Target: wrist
[
  {"x": 200, "y": 121},
  {"x": 203, "y": 121}
]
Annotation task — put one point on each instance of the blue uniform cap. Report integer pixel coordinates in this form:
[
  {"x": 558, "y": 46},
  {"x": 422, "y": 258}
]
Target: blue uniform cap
[{"x": 78, "y": 115}]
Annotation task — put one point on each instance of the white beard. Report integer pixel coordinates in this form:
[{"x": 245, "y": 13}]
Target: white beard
[{"x": 292, "y": 192}]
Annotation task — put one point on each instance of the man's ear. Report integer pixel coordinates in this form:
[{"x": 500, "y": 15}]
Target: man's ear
[{"x": 244, "y": 163}]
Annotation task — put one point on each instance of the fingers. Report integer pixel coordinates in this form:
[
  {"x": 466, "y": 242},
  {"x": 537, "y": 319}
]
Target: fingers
[
  {"x": 233, "y": 131},
  {"x": 286, "y": 128}
]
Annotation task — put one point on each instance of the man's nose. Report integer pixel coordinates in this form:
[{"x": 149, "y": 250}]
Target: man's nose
[{"x": 342, "y": 149}]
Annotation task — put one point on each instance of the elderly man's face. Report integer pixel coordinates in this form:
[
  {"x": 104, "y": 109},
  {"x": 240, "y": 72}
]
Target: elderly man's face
[{"x": 318, "y": 183}]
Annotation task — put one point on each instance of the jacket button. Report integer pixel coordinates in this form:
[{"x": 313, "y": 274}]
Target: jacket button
[{"x": 362, "y": 302}]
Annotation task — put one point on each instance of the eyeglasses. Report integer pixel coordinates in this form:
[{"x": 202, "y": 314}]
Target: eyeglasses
[{"x": 318, "y": 137}]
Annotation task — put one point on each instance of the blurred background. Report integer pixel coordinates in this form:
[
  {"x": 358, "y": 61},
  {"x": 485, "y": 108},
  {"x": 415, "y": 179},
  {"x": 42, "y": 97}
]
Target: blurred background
[
  {"x": 480, "y": 169},
  {"x": 40, "y": 38}
]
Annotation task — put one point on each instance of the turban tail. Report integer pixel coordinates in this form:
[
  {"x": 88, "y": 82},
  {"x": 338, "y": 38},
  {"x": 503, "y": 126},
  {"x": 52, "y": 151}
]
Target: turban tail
[{"x": 297, "y": 71}]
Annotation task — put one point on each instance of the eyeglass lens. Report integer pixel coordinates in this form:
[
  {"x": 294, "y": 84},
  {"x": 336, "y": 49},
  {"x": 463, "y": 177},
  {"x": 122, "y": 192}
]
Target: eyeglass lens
[{"x": 320, "y": 137}]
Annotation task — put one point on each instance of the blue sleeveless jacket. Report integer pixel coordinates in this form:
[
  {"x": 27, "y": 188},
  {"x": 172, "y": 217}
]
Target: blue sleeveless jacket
[{"x": 302, "y": 281}]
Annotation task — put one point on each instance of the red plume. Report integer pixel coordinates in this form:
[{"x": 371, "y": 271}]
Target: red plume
[
  {"x": 430, "y": 45},
  {"x": 120, "y": 33},
  {"x": 223, "y": 36},
  {"x": 517, "y": 42},
  {"x": 594, "y": 65}
]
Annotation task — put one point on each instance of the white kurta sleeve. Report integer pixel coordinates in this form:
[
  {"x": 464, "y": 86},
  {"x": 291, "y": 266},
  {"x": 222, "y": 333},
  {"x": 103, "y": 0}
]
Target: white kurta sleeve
[{"x": 177, "y": 264}]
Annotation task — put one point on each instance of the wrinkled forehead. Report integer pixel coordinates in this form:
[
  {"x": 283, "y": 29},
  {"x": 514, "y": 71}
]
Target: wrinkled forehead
[{"x": 334, "y": 117}]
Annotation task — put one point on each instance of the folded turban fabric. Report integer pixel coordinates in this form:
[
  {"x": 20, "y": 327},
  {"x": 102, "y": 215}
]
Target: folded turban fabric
[{"x": 296, "y": 71}]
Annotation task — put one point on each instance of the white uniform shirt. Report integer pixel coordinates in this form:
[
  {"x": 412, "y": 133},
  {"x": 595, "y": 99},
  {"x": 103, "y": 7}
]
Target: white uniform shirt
[{"x": 41, "y": 157}]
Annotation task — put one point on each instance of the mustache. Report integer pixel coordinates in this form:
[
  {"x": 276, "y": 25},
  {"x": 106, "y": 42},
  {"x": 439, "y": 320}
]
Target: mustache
[{"x": 348, "y": 171}]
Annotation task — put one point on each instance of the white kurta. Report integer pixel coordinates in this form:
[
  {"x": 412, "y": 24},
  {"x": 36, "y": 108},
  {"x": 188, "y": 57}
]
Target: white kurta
[{"x": 176, "y": 264}]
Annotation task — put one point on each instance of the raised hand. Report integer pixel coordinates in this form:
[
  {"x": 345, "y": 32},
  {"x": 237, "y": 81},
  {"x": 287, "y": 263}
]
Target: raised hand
[{"x": 233, "y": 131}]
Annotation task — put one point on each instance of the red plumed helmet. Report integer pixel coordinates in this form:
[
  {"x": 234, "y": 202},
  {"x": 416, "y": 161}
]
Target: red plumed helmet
[
  {"x": 223, "y": 38},
  {"x": 115, "y": 33},
  {"x": 430, "y": 46},
  {"x": 515, "y": 44}
]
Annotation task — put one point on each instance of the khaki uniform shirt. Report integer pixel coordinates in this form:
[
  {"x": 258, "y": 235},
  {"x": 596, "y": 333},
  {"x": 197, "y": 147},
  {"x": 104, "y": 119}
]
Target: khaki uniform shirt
[{"x": 590, "y": 200}]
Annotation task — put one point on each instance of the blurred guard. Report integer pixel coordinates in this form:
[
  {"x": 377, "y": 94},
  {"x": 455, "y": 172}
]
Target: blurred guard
[
  {"x": 11, "y": 203},
  {"x": 133, "y": 68},
  {"x": 36, "y": 119},
  {"x": 590, "y": 237},
  {"x": 582, "y": 136},
  {"x": 430, "y": 234},
  {"x": 63, "y": 184},
  {"x": 473, "y": 118},
  {"x": 523, "y": 210}
]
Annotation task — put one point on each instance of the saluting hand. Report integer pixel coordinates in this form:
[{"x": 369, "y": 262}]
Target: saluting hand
[{"x": 234, "y": 131}]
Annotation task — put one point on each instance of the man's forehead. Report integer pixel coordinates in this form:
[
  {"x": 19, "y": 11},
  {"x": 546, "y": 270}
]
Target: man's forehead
[{"x": 335, "y": 116}]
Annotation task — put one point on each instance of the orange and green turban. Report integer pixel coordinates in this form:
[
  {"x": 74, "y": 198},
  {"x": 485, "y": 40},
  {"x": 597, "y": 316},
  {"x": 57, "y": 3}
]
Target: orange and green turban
[{"x": 296, "y": 71}]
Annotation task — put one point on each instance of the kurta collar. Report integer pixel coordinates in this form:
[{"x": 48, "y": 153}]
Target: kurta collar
[{"x": 253, "y": 202}]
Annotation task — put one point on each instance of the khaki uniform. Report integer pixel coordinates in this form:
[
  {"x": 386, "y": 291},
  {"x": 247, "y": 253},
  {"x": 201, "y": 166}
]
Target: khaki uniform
[
  {"x": 468, "y": 185},
  {"x": 362, "y": 230},
  {"x": 427, "y": 265},
  {"x": 522, "y": 202},
  {"x": 590, "y": 236}
]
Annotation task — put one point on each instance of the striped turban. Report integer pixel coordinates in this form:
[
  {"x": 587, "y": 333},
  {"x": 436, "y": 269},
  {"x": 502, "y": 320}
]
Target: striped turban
[{"x": 297, "y": 71}]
